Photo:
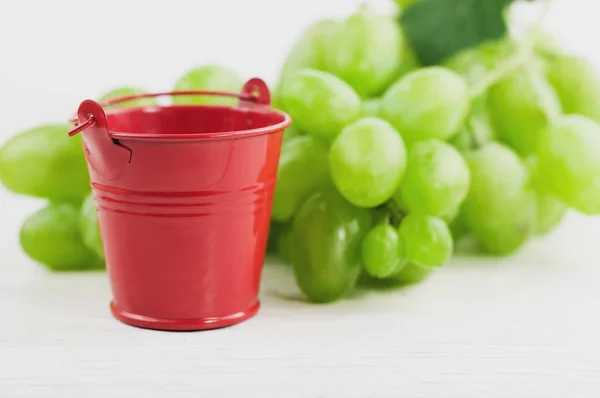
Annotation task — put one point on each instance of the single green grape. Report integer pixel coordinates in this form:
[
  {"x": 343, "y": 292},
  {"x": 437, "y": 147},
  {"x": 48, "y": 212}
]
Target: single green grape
[
  {"x": 550, "y": 209},
  {"x": 569, "y": 151},
  {"x": 319, "y": 103},
  {"x": 500, "y": 210},
  {"x": 436, "y": 180},
  {"x": 367, "y": 162},
  {"x": 521, "y": 106},
  {"x": 577, "y": 83},
  {"x": 208, "y": 77},
  {"x": 309, "y": 49},
  {"x": 365, "y": 50},
  {"x": 51, "y": 236},
  {"x": 370, "y": 107},
  {"x": 327, "y": 233},
  {"x": 126, "y": 92},
  {"x": 431, "y": 102},
  {"x": 427, "y": 240},
  {"x": 90, "y": 230},
  {"x": 45, "y": 162},
  {"x": 382, "y": 251},
  {"x": 303, "y": 167}
]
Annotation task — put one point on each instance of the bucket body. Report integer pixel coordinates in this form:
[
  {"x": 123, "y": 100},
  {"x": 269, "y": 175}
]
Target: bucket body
[{"x": 184, "y": 210}]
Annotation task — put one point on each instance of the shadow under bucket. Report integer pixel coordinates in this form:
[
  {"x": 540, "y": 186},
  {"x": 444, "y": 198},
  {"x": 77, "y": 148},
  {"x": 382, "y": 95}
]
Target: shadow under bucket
[{"x": 184, "y": 197}]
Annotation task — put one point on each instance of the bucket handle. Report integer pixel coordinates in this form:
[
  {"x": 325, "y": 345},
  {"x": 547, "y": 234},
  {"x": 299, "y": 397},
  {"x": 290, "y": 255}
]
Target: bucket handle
[{"x": 255, "y": 91}]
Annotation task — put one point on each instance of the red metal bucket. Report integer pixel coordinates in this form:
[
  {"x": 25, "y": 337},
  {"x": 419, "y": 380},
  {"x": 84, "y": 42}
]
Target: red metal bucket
[{"x": 184, "y": 198}]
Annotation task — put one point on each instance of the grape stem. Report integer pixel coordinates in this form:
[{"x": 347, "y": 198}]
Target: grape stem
[
  {"x": 476, "y": 140},
  {"x": 394, "y": 213},
  {"x": 521, "y": 59},
  {"x": 513, "y": 64}
]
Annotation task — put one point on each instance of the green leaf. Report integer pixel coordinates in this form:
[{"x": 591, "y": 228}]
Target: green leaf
[{"x": 437, "y": 29}]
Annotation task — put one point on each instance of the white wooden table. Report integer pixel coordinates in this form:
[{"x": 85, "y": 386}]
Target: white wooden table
[{"x": 526, "y": 326}]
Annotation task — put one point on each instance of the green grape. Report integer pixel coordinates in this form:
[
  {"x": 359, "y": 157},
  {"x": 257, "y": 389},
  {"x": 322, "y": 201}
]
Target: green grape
[
  {"x": 303, "y": 167},
  {"x": 500, "y": 211},
  {"x": 550, "y": 209},
  {"x": 411, "y": 274},
  {"x": 319, "y": 103},
  {"x": 365, "y": 50},
  {"x": 382, "y": 251},
  {"x": 577, "y": 84},
  {"x": 431, "y": 102},
  {"x": 521, "y": 106},
  {"x": 51, "y": 236},
  {"x": 208, "y": 77},
  {"x": 570, "y": 152},
  {"x": 126, "y": 92},
  {"x": 436, "y": 180},
  {"x": 427, "y": 240},
  {"x": 370, "y": 107},
  {"x": 44, "y": 162},
  {"x": 90, "y": 230},
  {"x": 308, "y": 51},
  {"x": 367, "y": 162},
  {"x": 327, "y": 233}
]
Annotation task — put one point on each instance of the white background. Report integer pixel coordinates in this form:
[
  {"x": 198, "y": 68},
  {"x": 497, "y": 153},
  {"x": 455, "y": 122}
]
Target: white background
[{"x": 525, "y": 326}]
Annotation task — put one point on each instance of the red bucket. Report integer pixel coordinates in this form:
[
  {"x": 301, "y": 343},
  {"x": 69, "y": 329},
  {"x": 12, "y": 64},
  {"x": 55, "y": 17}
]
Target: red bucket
[{"x": 184, "y": 198}]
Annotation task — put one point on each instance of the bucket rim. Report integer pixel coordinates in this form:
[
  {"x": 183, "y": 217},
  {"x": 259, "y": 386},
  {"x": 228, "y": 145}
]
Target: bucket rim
[{"x": 122, "y": 135}]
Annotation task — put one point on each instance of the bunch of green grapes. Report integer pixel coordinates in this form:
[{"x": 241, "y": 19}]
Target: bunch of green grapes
[
  {"x": 389, "y": 163},
  {"x": 367, "y": 181},
  {"x": 43, "y": 162}
]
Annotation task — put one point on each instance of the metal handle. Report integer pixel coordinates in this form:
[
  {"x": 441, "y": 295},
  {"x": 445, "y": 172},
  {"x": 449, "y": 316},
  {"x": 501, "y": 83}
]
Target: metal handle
[
  {"x": 90, "y": 122},
  {"x": 255, "y": 91}
]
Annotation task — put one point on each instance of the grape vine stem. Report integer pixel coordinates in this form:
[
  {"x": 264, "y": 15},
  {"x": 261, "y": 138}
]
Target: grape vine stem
[
  {"x": 514, "y": 63},
  {"x": 521, "y": 58}
]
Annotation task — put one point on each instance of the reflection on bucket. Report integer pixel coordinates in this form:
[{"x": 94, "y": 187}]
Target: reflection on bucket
[{"x": 184, "y": 198}]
